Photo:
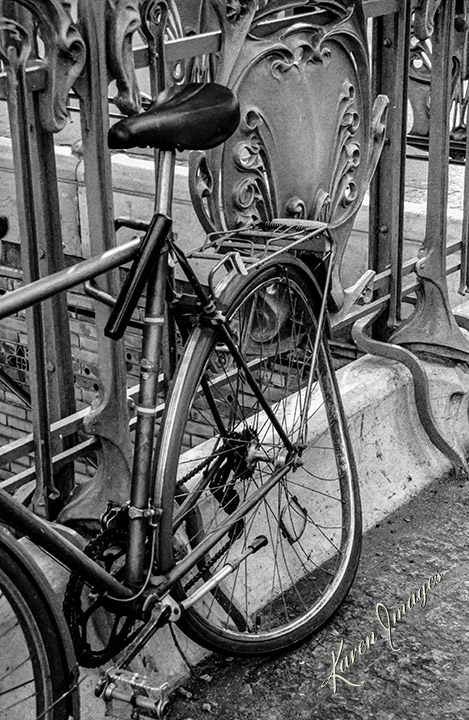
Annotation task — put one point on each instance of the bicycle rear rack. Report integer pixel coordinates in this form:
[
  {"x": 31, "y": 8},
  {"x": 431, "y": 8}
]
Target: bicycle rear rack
[{"x": 237, "y": 252}]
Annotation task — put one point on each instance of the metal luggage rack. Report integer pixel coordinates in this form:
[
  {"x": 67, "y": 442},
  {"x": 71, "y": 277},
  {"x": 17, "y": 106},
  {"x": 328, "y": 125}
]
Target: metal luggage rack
[
  {"x": 267, "y": 238},
  {"x": 242, "y": 250}
]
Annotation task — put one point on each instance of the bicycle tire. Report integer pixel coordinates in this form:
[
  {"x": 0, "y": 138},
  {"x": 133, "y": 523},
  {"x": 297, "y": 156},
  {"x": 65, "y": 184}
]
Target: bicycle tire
[
  {"x": 34, "y": 672},
  {"x": 282, "y": 595}
]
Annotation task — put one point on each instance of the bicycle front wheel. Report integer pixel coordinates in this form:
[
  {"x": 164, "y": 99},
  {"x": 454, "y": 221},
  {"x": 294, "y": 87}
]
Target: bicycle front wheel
[
  {"x": 229, "y": 478},
  {"x": 33, "y": 670}
]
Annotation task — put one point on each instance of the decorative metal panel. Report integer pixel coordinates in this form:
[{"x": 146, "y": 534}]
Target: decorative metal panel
[{"x": 308, "y": 139}]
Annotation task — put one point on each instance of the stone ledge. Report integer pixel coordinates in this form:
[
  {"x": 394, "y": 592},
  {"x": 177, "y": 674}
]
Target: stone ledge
[{"x": 133, "y": 181}]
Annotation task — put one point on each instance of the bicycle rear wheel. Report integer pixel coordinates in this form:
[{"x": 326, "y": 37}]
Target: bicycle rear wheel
[
  {"x": 34, "y": 679},
  {"x": 218, "y": 447}
]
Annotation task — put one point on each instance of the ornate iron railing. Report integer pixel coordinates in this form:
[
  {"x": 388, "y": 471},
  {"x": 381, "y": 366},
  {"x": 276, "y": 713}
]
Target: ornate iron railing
[{"x": 315, "y": 114}]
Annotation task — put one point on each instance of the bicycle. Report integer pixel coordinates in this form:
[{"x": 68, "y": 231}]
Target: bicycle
[{"x": 252, "y": 458}]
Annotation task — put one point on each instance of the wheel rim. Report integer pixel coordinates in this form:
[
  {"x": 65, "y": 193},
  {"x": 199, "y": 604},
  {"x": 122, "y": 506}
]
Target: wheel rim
[
  {"x": 25, "y": 683},
  {"x": 308, "y": 518}
]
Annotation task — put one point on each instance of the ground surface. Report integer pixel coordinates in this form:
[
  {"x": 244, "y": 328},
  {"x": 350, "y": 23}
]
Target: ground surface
[{"x": 427, "y": 677}]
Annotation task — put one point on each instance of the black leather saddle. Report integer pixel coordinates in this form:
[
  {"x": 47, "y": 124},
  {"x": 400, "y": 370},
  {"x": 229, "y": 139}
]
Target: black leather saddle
[{"x": 191, "y": 117}]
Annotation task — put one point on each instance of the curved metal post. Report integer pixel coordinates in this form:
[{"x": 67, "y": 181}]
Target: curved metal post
[{"x": 432, "y": 327}]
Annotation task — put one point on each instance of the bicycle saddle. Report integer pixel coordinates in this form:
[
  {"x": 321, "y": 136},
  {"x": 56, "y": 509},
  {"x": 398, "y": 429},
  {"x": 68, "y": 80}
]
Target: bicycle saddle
[{"x": 191, "y": 117}]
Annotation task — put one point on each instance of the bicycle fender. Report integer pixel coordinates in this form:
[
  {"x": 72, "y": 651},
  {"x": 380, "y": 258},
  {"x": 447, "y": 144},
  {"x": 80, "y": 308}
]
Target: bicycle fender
[{"x": 231, "y": 291}]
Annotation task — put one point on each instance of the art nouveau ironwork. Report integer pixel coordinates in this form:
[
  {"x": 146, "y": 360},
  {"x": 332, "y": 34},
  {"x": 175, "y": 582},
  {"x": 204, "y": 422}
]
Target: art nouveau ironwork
[
  {"x": 315, "y": 119},
  {"x": 306, "y": 82}
]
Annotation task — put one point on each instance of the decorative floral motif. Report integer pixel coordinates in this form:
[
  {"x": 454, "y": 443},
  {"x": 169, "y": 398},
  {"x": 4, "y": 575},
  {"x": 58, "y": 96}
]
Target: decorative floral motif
[
  {"x": 345, "y": 161},
  {"x": 253, "y": 196},
  {"x": 304, "y": 148},
  {"x": 304, "y": 51},
  {"x": 235, "y": 9},
  {"x": 249, "y": 201},
  {"x": 296, "y": 208},
  {"x": 64, "y": 54},
  {"x": 202, "y": 186}
]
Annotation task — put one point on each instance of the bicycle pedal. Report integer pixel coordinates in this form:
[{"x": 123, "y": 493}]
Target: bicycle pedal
[{"x": 130, "y": 695}]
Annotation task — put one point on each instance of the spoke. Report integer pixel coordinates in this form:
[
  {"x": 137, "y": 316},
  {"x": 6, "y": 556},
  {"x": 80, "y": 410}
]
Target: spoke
[{"x": 15, "y": 669}]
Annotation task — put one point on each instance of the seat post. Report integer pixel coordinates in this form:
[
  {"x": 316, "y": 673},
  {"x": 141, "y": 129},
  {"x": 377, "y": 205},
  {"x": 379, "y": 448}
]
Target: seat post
[{"x": 165, "y": 182}]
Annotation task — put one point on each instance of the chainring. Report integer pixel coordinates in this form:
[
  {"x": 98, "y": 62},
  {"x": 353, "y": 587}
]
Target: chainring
[{"x": 98, "y": 633}]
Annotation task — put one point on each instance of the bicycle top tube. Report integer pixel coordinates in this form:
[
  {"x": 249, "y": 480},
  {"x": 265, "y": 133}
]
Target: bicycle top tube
[{"x": 44, "y": 288}]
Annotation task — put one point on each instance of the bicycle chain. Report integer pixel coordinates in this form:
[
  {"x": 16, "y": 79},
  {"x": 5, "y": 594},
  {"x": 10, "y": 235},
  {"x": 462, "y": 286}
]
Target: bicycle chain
[
  {"x": 195, "y": 471},
  {"x": 235, "y": 530},
  {"x": 73, "y": 610}
]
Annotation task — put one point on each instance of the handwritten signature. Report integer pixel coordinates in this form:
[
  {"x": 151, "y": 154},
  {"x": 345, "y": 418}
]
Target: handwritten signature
[{"x": 388, "y": 620}]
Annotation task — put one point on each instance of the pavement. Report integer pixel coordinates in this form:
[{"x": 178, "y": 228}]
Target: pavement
[
  {"x": 414, "y": 555},
  {"x": 395, "y": 650}
]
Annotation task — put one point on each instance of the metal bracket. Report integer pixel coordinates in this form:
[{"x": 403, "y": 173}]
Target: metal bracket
[
  {"x": 148, "y": 513},
  {"x": 361, "y": 290}
]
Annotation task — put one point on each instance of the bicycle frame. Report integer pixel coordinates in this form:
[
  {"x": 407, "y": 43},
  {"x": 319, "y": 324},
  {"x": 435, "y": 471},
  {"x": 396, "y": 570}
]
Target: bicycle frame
[{"x": 140, "y": 509}]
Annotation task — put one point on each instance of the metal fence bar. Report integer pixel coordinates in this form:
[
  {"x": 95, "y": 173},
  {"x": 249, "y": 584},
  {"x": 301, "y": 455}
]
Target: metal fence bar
[
  {"x": 390, "y": 58},
  {"x": 51, "y": 377},
  {"x": 108, "y": 421},
  {"x": 432, "y": 326}
]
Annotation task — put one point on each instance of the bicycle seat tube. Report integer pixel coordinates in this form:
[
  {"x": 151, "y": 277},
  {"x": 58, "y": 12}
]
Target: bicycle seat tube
[{"x": 140, "y": 512}]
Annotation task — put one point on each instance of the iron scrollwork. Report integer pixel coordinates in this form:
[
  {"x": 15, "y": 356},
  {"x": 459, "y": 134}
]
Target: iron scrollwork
[
  {"x": 122, "y": 21},
  {"x": 309, "y": 139},
  {"x": 64, "y": 58},
  {"x": 420, "y": 73}
]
